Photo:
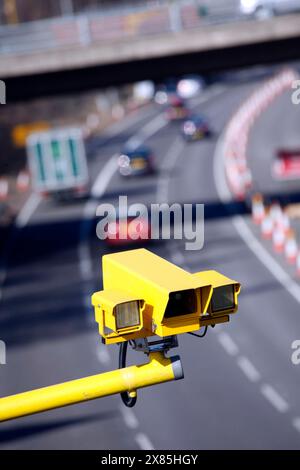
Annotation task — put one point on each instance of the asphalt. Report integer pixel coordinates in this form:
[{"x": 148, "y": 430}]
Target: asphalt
[{"x": 240, "y": 388}]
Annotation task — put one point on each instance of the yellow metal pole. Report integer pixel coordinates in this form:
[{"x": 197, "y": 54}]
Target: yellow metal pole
[{"x": 159, "y": 369}]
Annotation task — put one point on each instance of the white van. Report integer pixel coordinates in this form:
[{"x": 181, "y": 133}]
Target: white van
[{"x": 262, "y": 9}]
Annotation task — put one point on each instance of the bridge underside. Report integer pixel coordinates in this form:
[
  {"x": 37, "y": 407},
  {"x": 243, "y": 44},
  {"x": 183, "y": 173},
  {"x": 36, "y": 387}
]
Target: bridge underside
[{"x": 155, "y": 58}]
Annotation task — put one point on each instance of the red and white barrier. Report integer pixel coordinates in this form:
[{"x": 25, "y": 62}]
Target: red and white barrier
[
  {"x": 298, "y": 264},
  {"x": 267, "y": 226},
  {"x": 237, "y": 132},
  {"x": 284, "y": 222},
  {"x": 276, "y": 213},
  {"x": 258, "y": 209},
  {"x": 278, "y": 239}
]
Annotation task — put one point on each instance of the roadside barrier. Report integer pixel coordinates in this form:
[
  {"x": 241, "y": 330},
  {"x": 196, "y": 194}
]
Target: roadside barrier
[
  {"x": 258, "y": 209},
  {"x": 298, "y": 264},
  {"x": 237, "y": 132},
  {"x": 267, "y": 226},
  {"x": 278, "y": 239}
]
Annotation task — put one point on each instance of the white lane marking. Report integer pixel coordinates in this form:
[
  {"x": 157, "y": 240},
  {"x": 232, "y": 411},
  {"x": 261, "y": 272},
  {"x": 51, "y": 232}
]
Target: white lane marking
[
  {"x": 228, "y": 344},
  {"x": 129, "y": 417},
  {"x": 245, "y": 233},
  {"x": 151, "y": 128},
  {"x": 214, "y": 90},
  {"x": 103, "y": 354},
  {"x": 144, "y": 442},
  {"x": 248, "y": 368},
  {"x": 28, "y": 209},
  {"x": 296, "y": 423},
  {"x": 170, "y": 160},
  {"x": 104, "y": 177},
  {"x": 130, "y": 120},
  {"x": 274, "y": 398}
]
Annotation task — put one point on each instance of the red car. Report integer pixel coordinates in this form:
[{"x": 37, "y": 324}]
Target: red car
[
  {"x": 127, "y": 230},
  {"x": 176, "y": 109},
  {"x": 287, "y": 164}
]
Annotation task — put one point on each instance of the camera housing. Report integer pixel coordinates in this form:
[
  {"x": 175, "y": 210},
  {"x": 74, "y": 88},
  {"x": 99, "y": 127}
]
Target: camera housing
[
  {"x": 169, "y": 300},
  {"x": 224, "y": 300}
]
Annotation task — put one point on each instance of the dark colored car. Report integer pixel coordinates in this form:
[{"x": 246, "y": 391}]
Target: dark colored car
[
  {"x": 196, "y": 128},
  {"x": 176, "y": 109},
  {"x": 139, "y": 161}
]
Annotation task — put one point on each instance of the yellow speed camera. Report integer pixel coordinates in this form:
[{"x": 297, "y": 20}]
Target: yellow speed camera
[{"x": 145, "y": 295}]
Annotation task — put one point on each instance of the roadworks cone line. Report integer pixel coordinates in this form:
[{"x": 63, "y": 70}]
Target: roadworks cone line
[
  {"x": 274, "y": 222},
  {"x": 275, "y": 225},
  {"x": 237, "y": 132}
]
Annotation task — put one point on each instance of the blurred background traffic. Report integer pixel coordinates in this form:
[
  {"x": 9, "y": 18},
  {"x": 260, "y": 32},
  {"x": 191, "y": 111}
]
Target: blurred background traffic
[{"x": 161, "y": 101}]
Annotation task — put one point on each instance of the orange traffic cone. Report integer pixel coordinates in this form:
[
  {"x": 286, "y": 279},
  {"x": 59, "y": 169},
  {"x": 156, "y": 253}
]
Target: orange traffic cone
[
  {"x": 284, "y": 222},
  {"x": 276, "y": 212},
  {"x": 278, "y": 239},
  {"x": 258, "y": 209},
  {"x": 290, "y": 247}
]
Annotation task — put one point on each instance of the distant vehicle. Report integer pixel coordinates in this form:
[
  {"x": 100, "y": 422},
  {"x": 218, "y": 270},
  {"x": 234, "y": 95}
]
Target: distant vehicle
[
  {"x": 287, "y": 164},
  {"x": 136, "y": 162},
  {"x": 262, "y": 9},
  {"x": 189, "y": 86},
  {"x": 127, "y": 231},
  {"x": 195, "y": 128},
  {"x": 57, "y": 163},
  {"x": 176, "y": 109},
  {"x": 164, "y": 91}
]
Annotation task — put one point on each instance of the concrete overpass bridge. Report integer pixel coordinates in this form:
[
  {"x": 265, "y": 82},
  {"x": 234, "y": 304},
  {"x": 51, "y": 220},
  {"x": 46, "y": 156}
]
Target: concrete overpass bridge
[{"x": 84, "y": 52}]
